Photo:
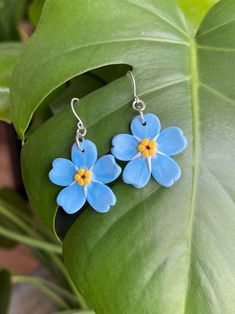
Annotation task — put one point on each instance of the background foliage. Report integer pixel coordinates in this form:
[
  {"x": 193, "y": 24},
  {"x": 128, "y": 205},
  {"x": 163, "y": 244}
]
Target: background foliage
[{"x": 194, "y": 10}]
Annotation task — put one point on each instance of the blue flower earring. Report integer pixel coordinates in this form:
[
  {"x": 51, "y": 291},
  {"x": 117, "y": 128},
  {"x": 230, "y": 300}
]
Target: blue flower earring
[
  {"x": 84, "y": 178},
  {"x": 149, "y": 149}
]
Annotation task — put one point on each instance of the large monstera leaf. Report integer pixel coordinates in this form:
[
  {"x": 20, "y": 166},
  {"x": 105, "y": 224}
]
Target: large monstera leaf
[{"x": 158, "y": 250}]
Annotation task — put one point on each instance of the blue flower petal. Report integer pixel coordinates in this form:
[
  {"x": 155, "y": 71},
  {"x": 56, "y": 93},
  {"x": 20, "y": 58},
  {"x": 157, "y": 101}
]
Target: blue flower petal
[
  {"x": 171, "y": 141},
  {"x": 87, "y": 158},
  {"x": 106, "y": 169},
  {"x": 100, "y": 197},
  {"x": 165, "y": 170},
  {"x": 124, "y": 147},
  {"x": 62, "y": 172},
  {"x": 137, "y": 172},
  {"x": 149, "y": 130},
  {"x": 71, "y": 198}
]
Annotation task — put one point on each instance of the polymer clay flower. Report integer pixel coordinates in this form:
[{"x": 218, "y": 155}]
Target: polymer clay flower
[
  {"x": 149, "y": 151},
  {"x": 84, "y": 178}
]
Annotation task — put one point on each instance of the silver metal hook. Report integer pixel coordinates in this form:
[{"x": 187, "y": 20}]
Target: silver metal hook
[
  {"x": 72, "y": 107},
  {"x": 81, "y": 129},
  {"x": 137, "y": 104},
  {"x": 134, "y": 84}
]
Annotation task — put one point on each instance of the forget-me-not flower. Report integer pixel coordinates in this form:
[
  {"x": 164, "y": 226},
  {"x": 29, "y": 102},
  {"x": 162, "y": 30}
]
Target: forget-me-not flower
[
  {"x": 84, "y": 178},
  {"x": 148, "y": 151}
]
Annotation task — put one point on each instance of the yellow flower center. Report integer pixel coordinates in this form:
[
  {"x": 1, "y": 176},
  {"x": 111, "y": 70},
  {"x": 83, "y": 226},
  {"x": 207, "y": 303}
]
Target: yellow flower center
[
  {"x": 148, "y": 148},
  {"x": 83, "y": 176}
]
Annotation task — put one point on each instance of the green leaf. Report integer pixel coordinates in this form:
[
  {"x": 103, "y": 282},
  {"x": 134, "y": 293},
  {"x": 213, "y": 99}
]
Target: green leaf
[
  {"x": 11, "y": 13},
  {"x": 15, "y": 200},
  {"x": 12, "y": 202},
  {"x": 35, "y": 11},
  {"x": 194, "y": 10},
  {"x": 5, "y": 290},
  {"x": 158, "y": 250},
  {"x": 5, "y": 104},
  {"x": 75, "y": 312},
  {"x": 9, "y": 54},
  {"x": 59, "y": 99},
  {"x": 78, "y": 87},
  {"x": 51, "y": 53}
]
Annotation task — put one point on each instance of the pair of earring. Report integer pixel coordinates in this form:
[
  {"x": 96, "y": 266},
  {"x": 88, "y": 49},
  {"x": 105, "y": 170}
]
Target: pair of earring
[{"x": 148, "y": 151}]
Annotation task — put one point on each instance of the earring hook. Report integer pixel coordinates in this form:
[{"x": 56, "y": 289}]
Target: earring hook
[
  {"x": 81, "y": 129},
  {"x": 134, "y": 84},
  {"x": 137, "y": 104},
  {"x": 72, "y": 107}
]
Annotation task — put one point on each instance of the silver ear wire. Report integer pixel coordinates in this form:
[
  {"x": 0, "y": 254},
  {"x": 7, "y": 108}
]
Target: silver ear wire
[
  {"x": 81, "y": 129},
  {"x": 137, "y": 104}
]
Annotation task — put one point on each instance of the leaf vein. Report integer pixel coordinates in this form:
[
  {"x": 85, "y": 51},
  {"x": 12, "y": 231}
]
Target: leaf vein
[
  {"x": 216, "y": 27},
  {"x": 159, "y": 16},
  {"x": 211, "y": 173},
  {"x": 219, "y": 49},
  {"x": 217, "y": 93},
  {"x": 144, "y": 93},
  {"x": 203, "y": 273}
]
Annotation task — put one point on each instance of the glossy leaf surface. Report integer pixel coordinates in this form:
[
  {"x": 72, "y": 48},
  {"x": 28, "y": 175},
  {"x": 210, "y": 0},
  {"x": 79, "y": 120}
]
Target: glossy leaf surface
[{"x": 159, "y": 250}]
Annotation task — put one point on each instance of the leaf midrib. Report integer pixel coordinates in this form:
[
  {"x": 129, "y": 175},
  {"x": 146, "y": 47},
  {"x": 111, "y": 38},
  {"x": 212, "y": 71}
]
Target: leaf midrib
[
  {"x": 195, "y": 83},
  {"x": 195, "y": 155}
]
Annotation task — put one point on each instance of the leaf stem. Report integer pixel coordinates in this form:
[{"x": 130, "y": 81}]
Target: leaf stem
[
  {"x": 44, "y": 286},
  {"x": 74, "y": 311},
  {"x": 22, "y": 221},
  {"x": 40, "y": 244},
  {"x": 16, "y": 220},
  {"x": 79, "y": 297},
  {"x": 30, "y": 241}
]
